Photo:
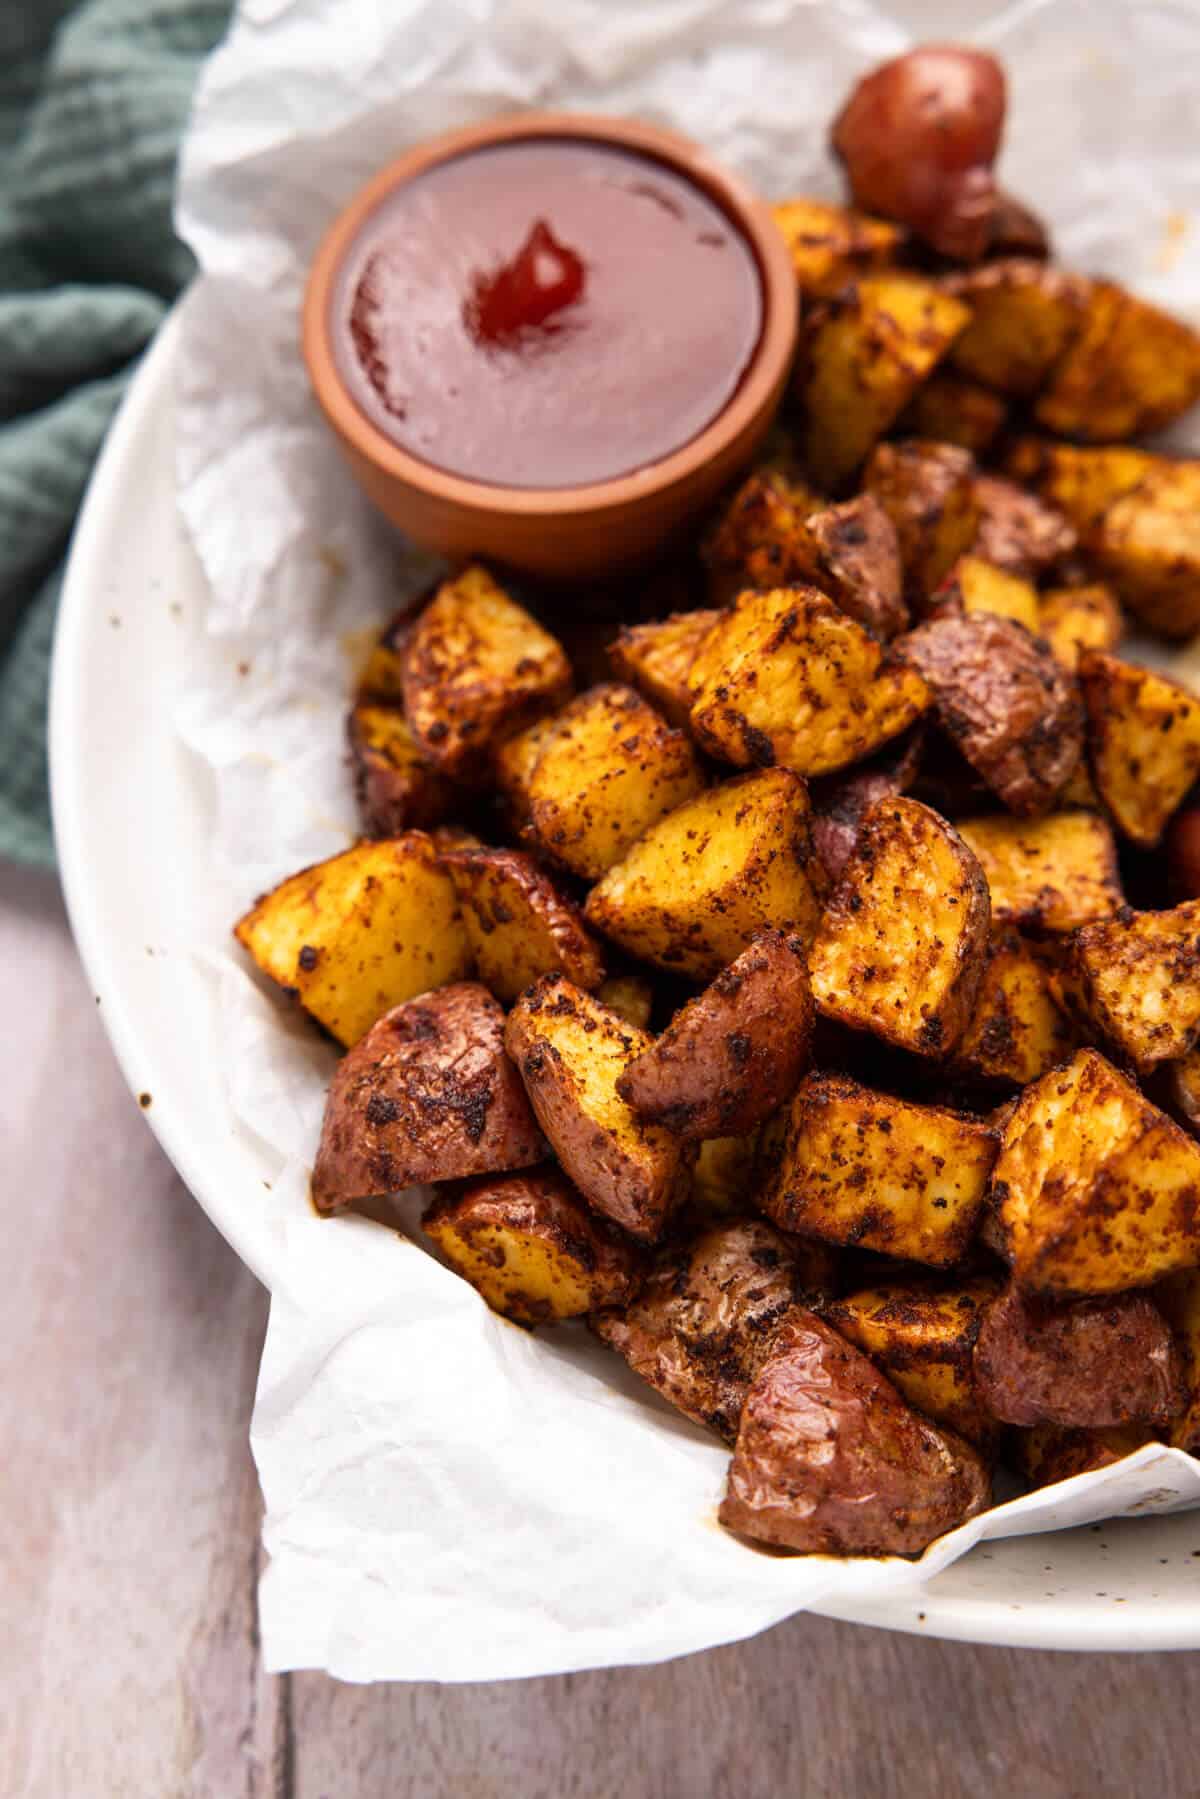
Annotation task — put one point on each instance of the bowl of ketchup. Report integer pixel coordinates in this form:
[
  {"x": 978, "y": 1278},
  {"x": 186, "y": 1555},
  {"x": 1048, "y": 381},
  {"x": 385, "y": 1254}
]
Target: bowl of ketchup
[{"x": 550, "y": 340}]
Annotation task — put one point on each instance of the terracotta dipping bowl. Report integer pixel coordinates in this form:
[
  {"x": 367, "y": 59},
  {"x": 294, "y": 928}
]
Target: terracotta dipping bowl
[{"x": 571, "y": 533}]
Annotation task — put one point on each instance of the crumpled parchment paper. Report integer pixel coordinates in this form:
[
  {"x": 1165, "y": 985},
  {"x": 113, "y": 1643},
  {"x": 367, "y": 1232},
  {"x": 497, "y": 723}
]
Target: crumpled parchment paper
[{"x": 448, "y": 1497}]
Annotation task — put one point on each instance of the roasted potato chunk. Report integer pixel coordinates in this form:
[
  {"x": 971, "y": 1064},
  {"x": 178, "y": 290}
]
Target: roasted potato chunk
[
  {"x": 1017, "y": 531},
  {"x": 1181, "y": 1090},
  {"x": 395, "y": 787},
  {"x": 1023, "y": 317},
  {"x": 724, "y": 1175},
  {"x": 830, "y": 245},
  {"x": 853, "y": 553},
  {"x": 1144, "y": 742},
  {"x": 1137, "y": 978},
  {"x": 477, "y": 668},
  {"x": 975, "y": 586},
  {"x": 657, "y": 659},
  {"x": 354, "y": 936},
  {"x": 712, "y": 874},
  {"x": 630, "y": 996},
  {"x": 867, "y": 352},
  {"x": 787, "y": 678},
  {"x": 928, "y": 492},
  {"x": 901, "y": 947},
  {"x": 1082, "y": 483},
  {"x": 842, "y": 802},
  {"x": 1087, "y": 1363},
  {"x": 1048, "y": 1453},
  {"x": 949, "y": 409},
  {"x": 1131, "y": 369},
  {"x": 531, "y": 1247},
  {"x": 1016, "y": 1031},
  {"x": 1097, "y": 1190},
  {"x": 427, "y": 1095},
  {"x": 1178, "y": 1297},
  {"x": 705, "y": 1320},
  {"x": 923, "y": 1335},
  {"x": 518, "y": 924},
  {"x": 829, "y": 1460},
  {"x": 381, "y": 682},
  {"x": 758, "y": 539},
  {"x": 1047, "y": 874},
  {"x": 571, "y": 1051},
  {"x": 1075, "y": 619},
  {"x": 513, "y": 763},
  {"x": 1005, "y": 702},
  {"x": 609, "y": 770},
  {"x": 862, "y": 1168},
  {"x": 732, "y": 1054}
]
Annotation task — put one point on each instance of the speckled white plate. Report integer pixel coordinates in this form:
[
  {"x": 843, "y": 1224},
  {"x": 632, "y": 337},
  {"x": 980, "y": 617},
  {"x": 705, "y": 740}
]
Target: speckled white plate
[{"x": 133, "y": 813}]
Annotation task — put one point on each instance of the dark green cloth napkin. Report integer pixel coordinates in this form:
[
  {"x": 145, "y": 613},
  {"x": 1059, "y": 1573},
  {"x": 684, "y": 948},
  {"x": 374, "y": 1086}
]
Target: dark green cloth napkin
[{"x": 93, "y": 98}]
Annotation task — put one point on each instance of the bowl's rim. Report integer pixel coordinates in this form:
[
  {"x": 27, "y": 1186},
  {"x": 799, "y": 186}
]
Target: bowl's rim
[{"x": 755, "y": 392}]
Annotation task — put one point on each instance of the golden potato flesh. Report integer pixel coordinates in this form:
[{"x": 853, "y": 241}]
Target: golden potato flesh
[
  {"x": 787, "y": 678},
  {"x": 1178, "y": 1298},
  {"x": 1016, "y": 1030},
  {"x": 514, "y": 761},
  {"x": 1137, "y": 978},
  {"x": 1082, "y": 483},
  {"x": 519, "y": 925},
  {"x": 1143, "y": 740},
  {"x": 381, "y": 682},
  {"x": 859, "y": 1167},
  {"x": 478, "y": 666},
  {"x": 531, "y": 1247},
  {"x": 657, "y": 659},
  {"x": 867, "y": 352},
  {"x": 901, "y": 948},
  {"x": 1130, "y": 370},
  {"x": 356, "y": 935},
  {"x": 950, "y": 409},
  {"x": 395, "y": 787},
  {"x": 1023, "y": 316},
  {"x": 1075, "y": 619},
  {"x": 571, "y": 1051},
  {"x": 1048, "y": 874},
  {"x": 630, "y": 996},
  {"x": 1096, "y": 1189},
  {"x": 923, "y": 1336},
  {"x": 832, "y": 244},
  {"x": 977, "y": 586},
  {"x": 699, "y": 885},
  {"x": 723, "y": 1175},
  {"x": 758, "y": 539},
  {"x": 928, "y": 492},
  {"x": 610, "y": 769}
]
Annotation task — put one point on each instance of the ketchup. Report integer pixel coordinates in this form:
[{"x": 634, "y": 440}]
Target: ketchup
[{"x": 546, "y": 314}]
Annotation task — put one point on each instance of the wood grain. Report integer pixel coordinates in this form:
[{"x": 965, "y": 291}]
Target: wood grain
[{"x": 128, "y": 1560}]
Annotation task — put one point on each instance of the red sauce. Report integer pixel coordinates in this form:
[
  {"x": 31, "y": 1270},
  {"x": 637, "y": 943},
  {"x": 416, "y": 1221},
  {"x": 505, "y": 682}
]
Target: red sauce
[{"x": 546, "y": 314}]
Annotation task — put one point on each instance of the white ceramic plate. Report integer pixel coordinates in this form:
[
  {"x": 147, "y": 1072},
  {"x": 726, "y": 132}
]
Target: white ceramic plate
[{"x": 132, "y": 812}]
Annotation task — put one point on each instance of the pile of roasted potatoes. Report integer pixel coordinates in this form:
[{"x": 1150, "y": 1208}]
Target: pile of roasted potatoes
[{"x": 791, "y": 963}]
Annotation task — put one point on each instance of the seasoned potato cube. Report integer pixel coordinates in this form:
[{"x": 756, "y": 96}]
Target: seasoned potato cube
[
  {"x": 571, "y": 1051},
  {"x": 354, "y": 936},
  {"x": 1082, "y": 483},
  {"x": 842, "y": 802},
  {"x": 705, "y": 1320},
  {"x": 1179, "y": 1299},
  {"x": 853, "y": 552},
  {"x": 1074, "y": 619},
  {"x": 902, "y": 945},
  {"x": 977, "y": 586},
  {"x": 1097, "y": 1190},
  {"x": 952, "y": 410},
  {"x": 610, "y": 770},
  {"x": 531, "y": 1247},
  {"x": 862, "y": 1168},
  {"x": 395, "y": 787},
  {"x": 1049, "y": 874},
  {"x": 657, "y": 659},
  {"x": 382, "y": 680},
  {"x": 1131, "y": 369},
  {"x": 1144, "y": 739},
  {"x": 732, "y": 1054},
  {"x": 1023, "y": 316},
  {"x": 1004, "y": 701},
  {"x": 630, "y": 996},
  {"x": 518, "y": 924},
  {"x": 758, "y": 539},
  {"x": 867, "y": 353},
  {"x": 700, "y": 884},
  {"x": 723, "y": 1175},
  {"x": 1088, "y": 1363},
  {"x": 829, "y": 1459},
  {"x": 1018, "y": 531},
  {"x": 787, "y": 678},
  {"x": 1016, "y": 1031},
  {"x": 928, "y": 492},
  {"x": 478, "y": 667},
  {"x": 830, "y": 245},
  {"x": 514, "y": 761},
  {"x": 1049, "y": 1453},
  {"x": 923, "y": 1336},
  {"x": 427, "y": 1095},
  {"x": 1137, "y": 978}
]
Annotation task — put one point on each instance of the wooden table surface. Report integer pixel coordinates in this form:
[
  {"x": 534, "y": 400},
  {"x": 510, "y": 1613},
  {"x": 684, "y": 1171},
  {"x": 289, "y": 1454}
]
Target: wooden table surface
[{"x": 129, "y": 1550}]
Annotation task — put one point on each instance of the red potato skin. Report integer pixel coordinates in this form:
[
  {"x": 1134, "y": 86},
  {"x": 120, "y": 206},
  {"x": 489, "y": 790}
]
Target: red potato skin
[
  {"x": 1085, "y": 1364},
  {"x": 831, "y": 1461},
  {"x": 857, "y": 558},
  {"x": 427, "y": 1095},
  {"x": 1019, "y": 532},
  {"x": 733, "y": 1054},
  {"x": 841, "y": 802}
]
